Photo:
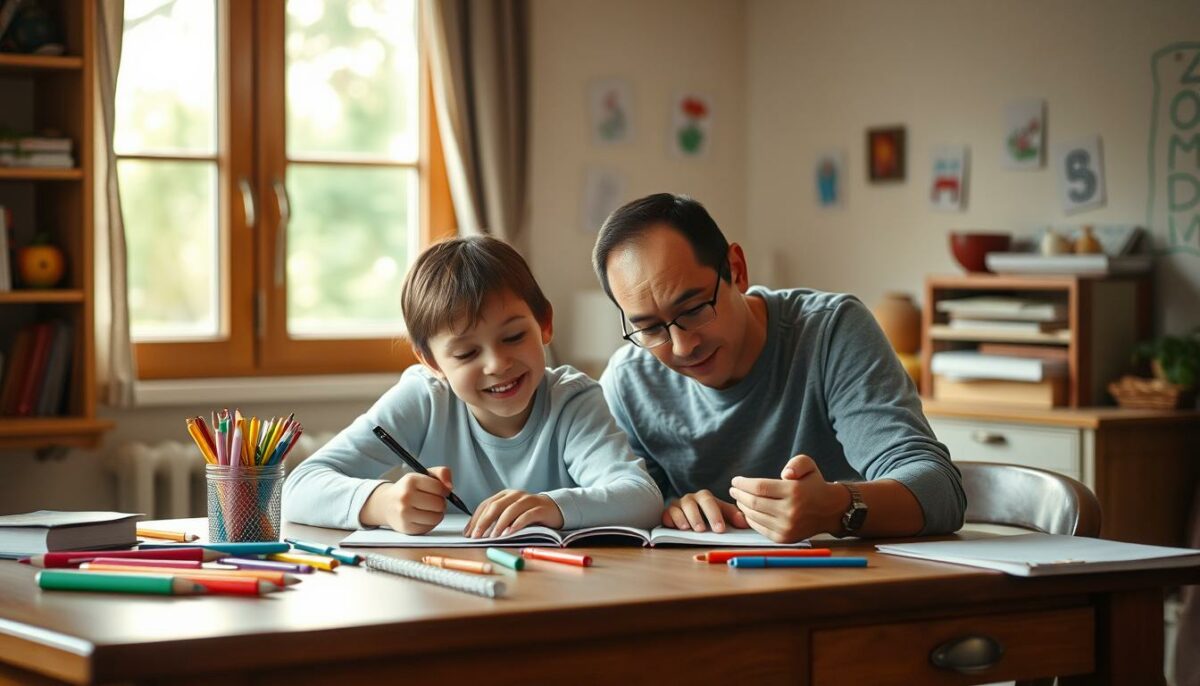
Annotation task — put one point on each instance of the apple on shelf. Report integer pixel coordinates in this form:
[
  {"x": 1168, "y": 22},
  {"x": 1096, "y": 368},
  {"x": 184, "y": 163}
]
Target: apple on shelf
[{"x": 40, "y": 264}]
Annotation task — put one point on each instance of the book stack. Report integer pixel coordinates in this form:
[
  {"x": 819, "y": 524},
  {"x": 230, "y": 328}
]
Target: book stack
[
  {"x": 1000, "y": 315},
  {"x": 1027, "y": 376},
  {"x": 48, "y": 530},
  {"x": 35, "y": 377},
  {"x": 37, "y": 151}
]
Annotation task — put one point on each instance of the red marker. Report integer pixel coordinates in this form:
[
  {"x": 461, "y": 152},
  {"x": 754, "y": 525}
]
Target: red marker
[
  {"x": 556, "y": 556},
  {"x": 723, "y": 556}
]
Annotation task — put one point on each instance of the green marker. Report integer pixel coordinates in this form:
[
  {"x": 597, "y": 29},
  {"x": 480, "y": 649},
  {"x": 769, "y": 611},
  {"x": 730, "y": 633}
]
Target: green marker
[
  {"x": 152, "y": 584},
  {"x": 326, "y": 550},
  {"x": 505, "y": 558}
]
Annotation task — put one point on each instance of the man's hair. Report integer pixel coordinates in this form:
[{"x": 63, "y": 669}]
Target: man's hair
[
  {"x": 453, "y": 278},
  {"x": 685, "y": 215}
]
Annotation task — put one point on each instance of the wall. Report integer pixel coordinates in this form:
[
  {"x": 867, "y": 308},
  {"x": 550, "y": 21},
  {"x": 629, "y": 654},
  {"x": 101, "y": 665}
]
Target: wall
[{"x": 820, "y": 73}]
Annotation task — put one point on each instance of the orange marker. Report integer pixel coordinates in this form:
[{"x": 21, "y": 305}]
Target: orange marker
[
  {"x": 456, "y": 563},
  {"x": 164, "y": 535},
  {"x": 559, "y": 556},
  {"x": 723, "y": 556},
  {"x": 236, "y": 586}
]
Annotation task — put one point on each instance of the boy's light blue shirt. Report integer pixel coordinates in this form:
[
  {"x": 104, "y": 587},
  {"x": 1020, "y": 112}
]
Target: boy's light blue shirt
[
  {"x": 570, "y": 449},
  {"x": 826, "y": 384}
]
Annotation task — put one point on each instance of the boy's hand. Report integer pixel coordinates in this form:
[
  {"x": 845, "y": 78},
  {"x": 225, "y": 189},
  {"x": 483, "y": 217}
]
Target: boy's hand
[
  {"x": 690, "y": 512},
  {"x": 413, "y": 505},
  {"x": 511, "y": 510}
]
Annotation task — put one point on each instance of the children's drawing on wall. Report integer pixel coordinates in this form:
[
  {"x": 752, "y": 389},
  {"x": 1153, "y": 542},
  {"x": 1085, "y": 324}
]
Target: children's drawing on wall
[
  {"x": 885, "y": 154},
  {"x": 691, "y": 119},
  {"x": 948, "y": 189},
  {"x": 1079, "y": 166},
  {"x": 1025, "y": 134},
  {"x": 610, "y": 105},
  {"x": 603, "y": 192},
  {"x": 830, "y": 174},
  {"x": 1173, "y": 209}
]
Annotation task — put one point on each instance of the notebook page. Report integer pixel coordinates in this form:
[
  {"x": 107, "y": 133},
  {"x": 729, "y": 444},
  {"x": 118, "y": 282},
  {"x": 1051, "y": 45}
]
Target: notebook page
[
  {"x": 730, "y": 538},
  {"x": 448, "y": 534}
]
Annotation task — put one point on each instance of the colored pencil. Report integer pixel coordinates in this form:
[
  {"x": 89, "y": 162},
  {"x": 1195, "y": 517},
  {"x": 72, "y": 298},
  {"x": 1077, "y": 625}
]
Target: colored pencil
[
  {"x": 153, "y": 584},
  {"x": 768, "y": 562},
  {"x": 161, "y": 534},
  {"x": 342, "y": 556},
  {"x": 149, "y": 562},
  {"x": 326, "y": 563},
  {"x": 723, "y": 556},
  {"x": 248, "y": 548},
  {"x": 277, "y": 578},
  {"x": 247, "y": 563},
  {"x": 73, "y": 558}
]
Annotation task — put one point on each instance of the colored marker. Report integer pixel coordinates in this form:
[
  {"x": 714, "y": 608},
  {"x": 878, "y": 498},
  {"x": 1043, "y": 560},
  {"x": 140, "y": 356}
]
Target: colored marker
[
  {"x": 164, "y": 535},
  {"x": 458, "y": 564},
  {"x": 558, "y": 556},
  {"x": 327, "y": 550},
  {"x": 277, "y": 578},
  {"x": 73, "y": 558},
  {"x": 153, "y": 584},
  {"x": 249, "y": 548},
  {"x": 411, "y": 461},
  {"x": 326, "y": 563},
  {"x": 505, "y": 559},
  {"x": 723, "y": 556},
  {"x": 250, "y": 563},
  {"x": 764, "y": 562},
  {"x": 228, "y": 586}
]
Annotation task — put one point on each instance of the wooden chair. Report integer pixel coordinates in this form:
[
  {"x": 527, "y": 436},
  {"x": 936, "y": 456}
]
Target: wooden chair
[{"x": 1012, "y": 495}]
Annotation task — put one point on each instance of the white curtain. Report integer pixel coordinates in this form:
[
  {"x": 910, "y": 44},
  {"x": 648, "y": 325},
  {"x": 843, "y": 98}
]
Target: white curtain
[
  {"x": 479, "y": 60},
  {"x": 114, "y": 351}
]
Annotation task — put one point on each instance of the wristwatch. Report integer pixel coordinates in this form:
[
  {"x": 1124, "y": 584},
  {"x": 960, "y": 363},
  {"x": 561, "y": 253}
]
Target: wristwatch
[{"x": 855, "y": 515}]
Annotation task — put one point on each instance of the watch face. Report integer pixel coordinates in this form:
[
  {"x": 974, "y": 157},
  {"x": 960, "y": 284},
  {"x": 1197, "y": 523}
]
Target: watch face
[{"x": 854, "y": 519}]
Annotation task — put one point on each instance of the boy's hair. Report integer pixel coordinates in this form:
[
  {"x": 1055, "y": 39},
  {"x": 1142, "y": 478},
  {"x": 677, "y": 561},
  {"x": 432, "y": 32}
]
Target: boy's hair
[
  {"x": 452, "y": 278},
  {"x": 679, "y": 212}
]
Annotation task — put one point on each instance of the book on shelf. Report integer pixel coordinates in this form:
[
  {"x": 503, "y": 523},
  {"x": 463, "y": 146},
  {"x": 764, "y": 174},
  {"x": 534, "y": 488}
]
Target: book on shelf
[
  {"x": 1052, "y": 353},
  {"x": 6, "y": 274},
  {"x": 36, "y": 144},
  {"x": 18, "y": 369},
  {"x": 39, "y": 354},
  {"x": 1031, "y": 394},
  {"x": 37, "y": 160},
  {"x": 972, "y": 364},
  {"x": 1002, "y": 307},
  {"x": 1037, "y": 554},
  {"x": 57, "y": 365},
  {"x": 38, "y": 370},
  {"x": 1005, "y": 326},
  {"x": 48, "y": 531},
  {"x": 448, "y": 534}
]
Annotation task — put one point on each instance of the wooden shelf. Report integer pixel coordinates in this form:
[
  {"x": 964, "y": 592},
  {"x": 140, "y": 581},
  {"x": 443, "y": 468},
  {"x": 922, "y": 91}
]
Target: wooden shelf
[
  {"x": 11, "y": 62},
  {"x": 33, "y": 296},
  {"x": 39, "y": 174},
  {"x": 32, "y": 433},
  {"x": 942, "y": 332}
]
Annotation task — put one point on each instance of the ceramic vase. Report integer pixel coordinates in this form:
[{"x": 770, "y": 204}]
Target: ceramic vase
[
  {"x": 900, "y": 320},
  {"x": 1054, "y": 244},
  {"x": 1087, "y": 242}
]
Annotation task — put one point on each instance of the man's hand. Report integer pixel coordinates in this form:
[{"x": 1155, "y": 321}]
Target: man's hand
[
  {"x": 691, "y": 511},
  {"x": 798, "y": 505},
  {"x": 512, "y": 510},
  {"x": 413, "y": 505}
]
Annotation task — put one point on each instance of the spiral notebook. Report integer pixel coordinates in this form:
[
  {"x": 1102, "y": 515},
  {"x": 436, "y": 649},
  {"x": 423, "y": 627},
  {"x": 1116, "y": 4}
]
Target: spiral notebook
[
  {"x": 448, "y": 534},
  {"x": 467, "y": 583}
]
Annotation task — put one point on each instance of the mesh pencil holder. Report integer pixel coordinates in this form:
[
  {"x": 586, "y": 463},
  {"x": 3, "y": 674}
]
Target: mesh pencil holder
[{"x": 243, "y": 502}]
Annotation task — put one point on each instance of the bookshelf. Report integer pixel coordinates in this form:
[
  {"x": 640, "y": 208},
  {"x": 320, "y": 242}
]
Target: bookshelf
[
  {"x": 1106, "y": 316},
  {"x": 39, "y": 93}
]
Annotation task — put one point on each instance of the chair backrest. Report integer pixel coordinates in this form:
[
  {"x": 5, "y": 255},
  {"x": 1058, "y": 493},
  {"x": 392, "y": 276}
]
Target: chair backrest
[{"x": 1029, "y": 498}]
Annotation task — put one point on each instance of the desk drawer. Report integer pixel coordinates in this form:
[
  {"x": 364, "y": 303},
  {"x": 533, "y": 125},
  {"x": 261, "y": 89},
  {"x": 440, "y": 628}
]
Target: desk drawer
[
  {"x": 1034, "y": 644},
  {"x": 1055, "y": 449}
]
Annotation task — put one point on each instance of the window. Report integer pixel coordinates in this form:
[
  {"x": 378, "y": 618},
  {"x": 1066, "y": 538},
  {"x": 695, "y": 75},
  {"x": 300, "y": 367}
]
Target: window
[{"x": 278, "y": 170}]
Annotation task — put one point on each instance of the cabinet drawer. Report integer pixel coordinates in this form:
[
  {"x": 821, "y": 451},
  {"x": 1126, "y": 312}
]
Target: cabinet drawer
[
  {"x": 1032, "y": 645},
  {"x": 1055, "y": 449}
]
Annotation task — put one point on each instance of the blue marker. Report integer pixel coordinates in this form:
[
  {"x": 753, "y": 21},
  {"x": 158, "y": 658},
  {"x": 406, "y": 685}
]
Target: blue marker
[{"x": 763, "y": 562}]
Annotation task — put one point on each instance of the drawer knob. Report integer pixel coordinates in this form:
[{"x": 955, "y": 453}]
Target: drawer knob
[
  {"x": 987, "y": 437},
  {"x": 967, "y": 654}
]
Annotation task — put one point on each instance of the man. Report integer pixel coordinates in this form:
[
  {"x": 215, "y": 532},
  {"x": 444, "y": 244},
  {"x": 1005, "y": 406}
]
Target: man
[{"x": 783, "y": 411}]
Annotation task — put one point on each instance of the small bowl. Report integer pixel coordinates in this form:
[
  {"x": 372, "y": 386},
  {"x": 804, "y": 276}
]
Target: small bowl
[{"x": 970, "y": 248}]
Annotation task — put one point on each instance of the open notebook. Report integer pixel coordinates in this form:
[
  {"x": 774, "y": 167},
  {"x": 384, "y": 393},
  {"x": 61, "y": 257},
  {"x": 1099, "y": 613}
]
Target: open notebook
[
  {"x": 1047, "y": 554},
  {"x": 448, "y": 534}
]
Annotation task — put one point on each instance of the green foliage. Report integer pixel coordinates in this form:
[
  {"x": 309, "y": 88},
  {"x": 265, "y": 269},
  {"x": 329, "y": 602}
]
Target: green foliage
[{"x": 1177, "y": 356}]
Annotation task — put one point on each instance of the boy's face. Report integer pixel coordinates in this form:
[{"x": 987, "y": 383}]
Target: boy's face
[{"x": 495, "y": 367}]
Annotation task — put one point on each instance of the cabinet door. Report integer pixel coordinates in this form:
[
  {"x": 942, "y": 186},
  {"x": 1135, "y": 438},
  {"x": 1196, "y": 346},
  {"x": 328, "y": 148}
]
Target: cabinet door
[{"x": 1055, "y": 449}]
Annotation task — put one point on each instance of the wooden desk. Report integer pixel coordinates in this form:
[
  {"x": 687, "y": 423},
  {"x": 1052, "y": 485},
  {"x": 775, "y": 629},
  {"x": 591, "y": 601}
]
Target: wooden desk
[{"x": 637, "y": 616}]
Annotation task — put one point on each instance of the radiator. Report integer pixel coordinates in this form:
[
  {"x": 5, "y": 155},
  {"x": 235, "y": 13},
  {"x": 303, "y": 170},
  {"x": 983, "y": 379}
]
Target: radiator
[{"x": 166, "y": 480}]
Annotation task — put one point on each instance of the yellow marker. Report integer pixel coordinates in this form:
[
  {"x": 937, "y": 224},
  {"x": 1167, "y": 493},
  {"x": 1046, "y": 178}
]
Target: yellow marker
[{"x": 318, "y": 561}]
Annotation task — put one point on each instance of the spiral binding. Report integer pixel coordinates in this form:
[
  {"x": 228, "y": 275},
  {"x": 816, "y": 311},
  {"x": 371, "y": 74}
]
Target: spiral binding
[{"x": 467, "y": 583}]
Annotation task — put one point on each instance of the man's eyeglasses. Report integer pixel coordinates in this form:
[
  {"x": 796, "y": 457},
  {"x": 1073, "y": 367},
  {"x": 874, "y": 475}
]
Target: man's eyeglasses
[{"x": 688, "y": 320}]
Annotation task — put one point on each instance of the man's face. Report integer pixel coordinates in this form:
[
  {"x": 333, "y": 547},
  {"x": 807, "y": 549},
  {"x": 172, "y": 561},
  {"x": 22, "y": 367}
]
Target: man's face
[{"x": 655, "y": 278}]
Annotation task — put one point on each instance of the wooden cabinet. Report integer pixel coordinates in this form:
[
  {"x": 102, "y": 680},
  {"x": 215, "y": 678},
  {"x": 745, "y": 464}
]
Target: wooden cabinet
[
  {"x": 1143, "y": 465},
  {"x": 1106, "y": 317},
  {"x": 39, "y": 93}
]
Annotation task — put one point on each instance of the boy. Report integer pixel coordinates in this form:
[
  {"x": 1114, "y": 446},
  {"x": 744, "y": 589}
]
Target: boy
[{"x": 528, "y": 445}]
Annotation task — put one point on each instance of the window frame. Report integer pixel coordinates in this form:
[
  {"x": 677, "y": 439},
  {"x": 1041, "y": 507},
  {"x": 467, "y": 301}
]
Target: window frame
[{"x": 253, "y": 322}]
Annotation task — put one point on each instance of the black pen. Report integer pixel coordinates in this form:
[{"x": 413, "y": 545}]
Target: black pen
[{"x": 417, "y": 466}]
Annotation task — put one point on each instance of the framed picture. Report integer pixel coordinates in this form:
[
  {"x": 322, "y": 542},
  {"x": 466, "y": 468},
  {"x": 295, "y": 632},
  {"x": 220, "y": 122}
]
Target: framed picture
[
  {"x": 1024, "y": 133},
  {"x": 691, "y": 124},
  {"x": 829, "y": 171},
  {"x": 610, "y": 111},
  {"x": 948, "y": 187},
  {"x": 885, "y": 154}
]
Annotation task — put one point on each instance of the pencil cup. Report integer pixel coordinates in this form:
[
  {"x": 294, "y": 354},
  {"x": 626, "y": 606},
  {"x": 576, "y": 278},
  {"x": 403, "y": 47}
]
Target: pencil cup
[{"x": 243, "y": 502}]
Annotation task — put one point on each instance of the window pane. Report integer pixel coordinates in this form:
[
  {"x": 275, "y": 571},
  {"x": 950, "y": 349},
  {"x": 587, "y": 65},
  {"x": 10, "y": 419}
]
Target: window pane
[
  {"x": 348, "y": 249},
  {"x": 352, "y": 79},
  {"x": 171, "y": 238},
  {"x": 166, "y": 88}
]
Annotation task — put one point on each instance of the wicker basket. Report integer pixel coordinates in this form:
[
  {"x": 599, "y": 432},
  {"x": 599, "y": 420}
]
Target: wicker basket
[{"x": 1148, "y": 394}]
